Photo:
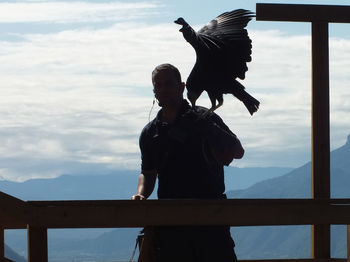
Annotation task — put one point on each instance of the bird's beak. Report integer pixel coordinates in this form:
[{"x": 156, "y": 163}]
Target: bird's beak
[{"x": 177, "y": 21}]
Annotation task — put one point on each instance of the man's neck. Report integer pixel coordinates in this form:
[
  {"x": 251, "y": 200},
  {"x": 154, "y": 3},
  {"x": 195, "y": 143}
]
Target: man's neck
[{"x": 170, "y": 112}]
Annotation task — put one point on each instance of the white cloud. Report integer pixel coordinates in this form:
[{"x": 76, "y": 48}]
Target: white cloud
[
  {"x": 72, "y": 12},
  {"x": 84, "y": 96}
]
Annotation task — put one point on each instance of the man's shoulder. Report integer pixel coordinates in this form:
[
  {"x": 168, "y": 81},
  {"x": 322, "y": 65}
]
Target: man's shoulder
[
  {"x": 201, "y": 110},
  {"x": 149, "y": 127}
]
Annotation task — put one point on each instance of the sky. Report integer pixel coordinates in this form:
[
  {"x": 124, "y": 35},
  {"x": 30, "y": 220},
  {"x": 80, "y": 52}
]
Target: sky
[{"x": 75, "y": 83}]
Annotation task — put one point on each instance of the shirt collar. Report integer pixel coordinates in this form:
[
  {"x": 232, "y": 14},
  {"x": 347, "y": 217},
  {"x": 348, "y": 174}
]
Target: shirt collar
[
  {"x": 184, "y": 108},
  {"x": 158, "y": 120}
]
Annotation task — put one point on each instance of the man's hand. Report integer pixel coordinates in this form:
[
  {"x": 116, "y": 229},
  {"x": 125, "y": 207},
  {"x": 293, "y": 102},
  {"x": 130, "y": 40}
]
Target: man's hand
[
  {"x": 194, "y": 121},
  {"x": 138, "y": 197},
  {"x": 145, "y": 186}
]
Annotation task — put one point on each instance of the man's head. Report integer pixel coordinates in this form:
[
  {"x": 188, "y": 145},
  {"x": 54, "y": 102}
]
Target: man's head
[{"x": 168, "y": 87}]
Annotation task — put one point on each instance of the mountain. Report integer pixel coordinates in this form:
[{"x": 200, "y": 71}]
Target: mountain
[
  {"x": 120, "y": 184},
  {"x": 293, "y": 241},
  {"x": 255, "y": 242},
  {"x": 251, "y": 242},
  {"x": 116, "y": 245},
  {"x": 242, "y": 178},
  {"x": 10, "y": 254},
  {"x": 297, "y": 183}
]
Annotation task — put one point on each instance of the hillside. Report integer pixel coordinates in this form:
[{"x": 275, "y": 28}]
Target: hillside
[
  {"x": 251, "y": 242},
  {"x": 10, "y": 254},
  {"x": 293, "y": 241},
  {"x": 297, "y": 183},
  {"x": 120, "y": 184}
]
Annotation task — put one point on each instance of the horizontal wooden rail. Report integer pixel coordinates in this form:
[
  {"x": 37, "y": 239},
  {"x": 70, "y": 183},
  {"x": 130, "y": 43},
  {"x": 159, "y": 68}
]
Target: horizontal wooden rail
[
  {"x": 297, "y": 260},
  {"x": 283, "y": 260},
  {"x": 303, "y": 13},
  {"x": 42, "y": 215},
  {"x": 128, "y": 213}
]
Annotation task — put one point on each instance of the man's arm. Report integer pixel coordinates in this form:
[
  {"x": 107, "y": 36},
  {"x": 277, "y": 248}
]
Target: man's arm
[
  {"x": 225, "y": 146},
  {"x": 145, "y": 186}
]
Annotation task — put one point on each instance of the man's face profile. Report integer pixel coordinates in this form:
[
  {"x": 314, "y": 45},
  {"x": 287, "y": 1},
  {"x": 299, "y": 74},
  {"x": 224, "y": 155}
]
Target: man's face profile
[{"x": 167, "y": 88}]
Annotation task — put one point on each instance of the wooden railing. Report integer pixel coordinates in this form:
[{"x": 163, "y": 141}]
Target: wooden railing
[{"x": 38, "y": 216}]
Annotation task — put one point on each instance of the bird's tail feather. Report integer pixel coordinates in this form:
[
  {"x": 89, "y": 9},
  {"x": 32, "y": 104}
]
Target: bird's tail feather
[{"x": 250, "y": 102}]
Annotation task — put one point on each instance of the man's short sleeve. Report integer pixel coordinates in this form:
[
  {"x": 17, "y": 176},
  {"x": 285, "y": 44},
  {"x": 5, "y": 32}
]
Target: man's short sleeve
[
  {"x": 217, "y": 120},
  {"x": 147, "y": 156}
]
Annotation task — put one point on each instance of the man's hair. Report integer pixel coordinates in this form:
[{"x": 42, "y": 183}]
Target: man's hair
[{"x": 167, "y": 67}]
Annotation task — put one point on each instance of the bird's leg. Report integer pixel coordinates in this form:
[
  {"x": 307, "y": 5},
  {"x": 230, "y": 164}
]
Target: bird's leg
[
  {"x": 212, "y": 109},
  {"x": 213, "y": 98}
]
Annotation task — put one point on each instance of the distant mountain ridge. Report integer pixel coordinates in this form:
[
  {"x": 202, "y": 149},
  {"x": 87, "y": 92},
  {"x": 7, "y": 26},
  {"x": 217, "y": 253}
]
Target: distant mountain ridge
[
  {"x": 120, "y": 184},
  {"x": 293, "y": 241},
  {"x": 251, "y": 242},
  {"x": 297, "y": 183},
  {"x": 10, "y": 254}
]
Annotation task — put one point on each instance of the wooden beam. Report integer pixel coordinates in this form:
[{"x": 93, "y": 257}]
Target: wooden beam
[
  {"x": 10, "y": 208},
  {"x": 296, "y": 260},
  {"x": 348, "y": 243},
  {"x": 303, "y": 13},
  {"x": 320, "y": 111},
  {"x": 320, "y": 133},
  {"x": 8, "y": 200},
  {"x": 237, "y": 212},
  {"x": 2, "y": 242},
  {"x": 128, "y": 213},
  {"x": 320, "y": 242},
  {"x": 37, "y": 244}
]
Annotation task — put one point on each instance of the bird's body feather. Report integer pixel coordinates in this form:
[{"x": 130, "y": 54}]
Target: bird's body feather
[{"x": 223, "y": 48}]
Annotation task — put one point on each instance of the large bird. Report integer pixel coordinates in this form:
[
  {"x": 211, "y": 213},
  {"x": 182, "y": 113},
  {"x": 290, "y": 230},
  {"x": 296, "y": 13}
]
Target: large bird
[{"x": 223, "y": 48}]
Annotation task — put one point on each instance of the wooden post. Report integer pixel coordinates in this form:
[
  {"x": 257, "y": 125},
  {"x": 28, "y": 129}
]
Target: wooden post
[
  {"x": 2, "y": 242},
  {"x": 320, "y": 111},
  {"x": 319, "y": 16},
  {"x": 37, "y": 244},
  {"x": 348, "y": 242},
  {"x": 320, "y": 133}
]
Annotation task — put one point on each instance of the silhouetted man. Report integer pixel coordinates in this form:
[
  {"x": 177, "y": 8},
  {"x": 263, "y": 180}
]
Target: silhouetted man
[{"x": 187, "y": 153}]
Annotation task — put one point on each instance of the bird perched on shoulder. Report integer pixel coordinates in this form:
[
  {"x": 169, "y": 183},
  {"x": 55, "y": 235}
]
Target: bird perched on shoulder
[{"x": 223, "y": 48}]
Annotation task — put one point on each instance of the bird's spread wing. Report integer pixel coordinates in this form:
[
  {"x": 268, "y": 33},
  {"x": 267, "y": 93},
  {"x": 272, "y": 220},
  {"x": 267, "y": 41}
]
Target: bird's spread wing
[
  {"x": 228, "y": 23},
  {"x": 223, "y": 49},
  {"x": 225, "y": 38}
]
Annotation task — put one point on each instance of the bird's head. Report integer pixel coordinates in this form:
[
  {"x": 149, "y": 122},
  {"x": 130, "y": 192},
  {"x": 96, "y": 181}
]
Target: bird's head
[
  {"x": 180, "y": 21},
  {"x": 192, "y": 96}
]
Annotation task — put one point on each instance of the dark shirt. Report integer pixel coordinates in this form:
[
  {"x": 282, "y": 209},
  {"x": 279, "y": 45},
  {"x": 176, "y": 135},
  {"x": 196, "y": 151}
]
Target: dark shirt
[{"x": 180, "y": 155}]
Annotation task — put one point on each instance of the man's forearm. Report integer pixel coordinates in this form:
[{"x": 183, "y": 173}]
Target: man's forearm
[
  {"x": 146, "y": 184},
  {"x": 225, "y": 146}
]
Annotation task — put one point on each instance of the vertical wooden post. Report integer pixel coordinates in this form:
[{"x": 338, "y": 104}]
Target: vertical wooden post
[
  {"x": 348, "y": 242},
  {"x": 37, "y": 244},
  {"x": 320, "y": 133},
  {"x": 2, "y": 243}
]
